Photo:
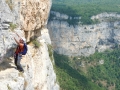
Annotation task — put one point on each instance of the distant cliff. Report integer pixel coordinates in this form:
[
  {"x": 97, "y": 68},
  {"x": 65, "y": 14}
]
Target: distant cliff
[
  {"x": 84, "y": 39},
  {"x": 39, "y": 73}
]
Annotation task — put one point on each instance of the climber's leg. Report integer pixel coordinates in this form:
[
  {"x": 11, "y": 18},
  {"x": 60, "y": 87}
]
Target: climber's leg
[
  {"x": 15, "y": 59},
  {"x": 18, "y": 62}
]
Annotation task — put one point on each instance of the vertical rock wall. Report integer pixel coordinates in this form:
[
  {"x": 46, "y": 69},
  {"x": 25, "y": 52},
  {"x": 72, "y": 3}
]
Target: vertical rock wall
[
  {"x": 84, "y": 40},
  {"x": 33, "y": 16},
  {"x": 38, "y": 69}
]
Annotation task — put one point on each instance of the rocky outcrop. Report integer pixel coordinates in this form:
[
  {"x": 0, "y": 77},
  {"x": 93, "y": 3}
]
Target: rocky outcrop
[
  {"x": 39, "y": 73},
  {"x": 6, "y": 36},
  {"x": 33, "y": 16},
  {"x": 38, "y": 68},
  {"x": 85, "y": 39},
  {"x": 30, "y": 15}
]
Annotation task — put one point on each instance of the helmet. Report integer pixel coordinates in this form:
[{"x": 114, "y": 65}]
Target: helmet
[{"x": 24, "y": 40}]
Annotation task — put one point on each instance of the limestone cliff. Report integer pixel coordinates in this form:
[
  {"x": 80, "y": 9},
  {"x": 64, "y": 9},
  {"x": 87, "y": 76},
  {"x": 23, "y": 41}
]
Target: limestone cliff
[
  {"x": 39, "y": 73},
  {"x": 84, "y": 39},
  {"x": 34, "y": 15}
]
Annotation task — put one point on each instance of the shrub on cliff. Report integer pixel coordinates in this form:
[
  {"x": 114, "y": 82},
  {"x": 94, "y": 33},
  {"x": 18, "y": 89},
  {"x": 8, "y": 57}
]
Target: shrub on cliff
[
  {"x": 36, "y": 43},
  {"x": 50, "y": 50},
  {"x": 12, "y": 26}
]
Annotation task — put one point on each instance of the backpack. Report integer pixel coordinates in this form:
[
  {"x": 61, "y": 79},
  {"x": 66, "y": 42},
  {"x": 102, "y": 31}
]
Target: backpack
[{"x": 25, "y": 49}]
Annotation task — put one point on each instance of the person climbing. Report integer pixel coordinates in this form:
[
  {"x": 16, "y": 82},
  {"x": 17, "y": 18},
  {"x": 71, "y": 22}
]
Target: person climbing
[{"x": 20, "y": 50}]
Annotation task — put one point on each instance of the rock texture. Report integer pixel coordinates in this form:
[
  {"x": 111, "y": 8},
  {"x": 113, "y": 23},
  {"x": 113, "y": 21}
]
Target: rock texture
[
  {"x": 38, "y": 75},
  {"x": 30, "y": 15},
  {"x": 6, "y": 36},
  {"x": 34, "y": 15},
  {"x": 38, "y": 69},
  {"x": 84, "y": 39},
  {"x": 6, "y": 16}
]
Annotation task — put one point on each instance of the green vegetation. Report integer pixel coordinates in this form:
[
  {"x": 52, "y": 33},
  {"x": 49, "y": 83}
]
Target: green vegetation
[
  {"x": 50, "y": 50},
  {"x": 9, "y": 88},
  {"x": 69, "y": 78},
  {"x": 87, "y": 73},
  {"x": 12, "y": 26},
  {"x": 85, "y": 8},
  {"x": 36, "y": 43}
]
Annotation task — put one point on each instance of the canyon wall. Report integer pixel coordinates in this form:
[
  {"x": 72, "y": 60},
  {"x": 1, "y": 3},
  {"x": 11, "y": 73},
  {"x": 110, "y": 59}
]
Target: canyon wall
[
  {"x": 38, "y": 68},
  {"x": 81, "y": 39}
]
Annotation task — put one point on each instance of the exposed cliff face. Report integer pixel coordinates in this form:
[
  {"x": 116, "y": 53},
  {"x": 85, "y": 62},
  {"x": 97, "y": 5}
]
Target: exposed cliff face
[
  {"x": 34, "y": 15},
  {"x": 39, "y": 73},
  {"x": 85, "y": 39}
]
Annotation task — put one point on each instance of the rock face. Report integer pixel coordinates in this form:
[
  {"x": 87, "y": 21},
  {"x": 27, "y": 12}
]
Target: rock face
[
  {"x": 34, "y": 15},
  {"x": 6, "y": 15},
  {"x": 38, "y": 75},
  {"x": 38, "y": 69},
  {"x": 30, "y": 15},
  {"x": 6, "y": 36},
  {"x": 85, "y": 39}
]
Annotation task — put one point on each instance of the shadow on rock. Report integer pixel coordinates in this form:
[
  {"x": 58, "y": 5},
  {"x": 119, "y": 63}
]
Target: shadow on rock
[{"x": 6, "y": 60}]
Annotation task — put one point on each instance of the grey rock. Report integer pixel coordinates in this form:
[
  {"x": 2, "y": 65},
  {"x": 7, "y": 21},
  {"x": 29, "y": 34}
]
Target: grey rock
[
  {"x": 85, "y": 39},
  {"x": 38, "y": 69}
]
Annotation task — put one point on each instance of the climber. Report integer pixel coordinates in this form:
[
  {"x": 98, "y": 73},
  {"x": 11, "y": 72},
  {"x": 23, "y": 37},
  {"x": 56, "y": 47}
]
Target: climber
[{"x": 18, "y": 53}]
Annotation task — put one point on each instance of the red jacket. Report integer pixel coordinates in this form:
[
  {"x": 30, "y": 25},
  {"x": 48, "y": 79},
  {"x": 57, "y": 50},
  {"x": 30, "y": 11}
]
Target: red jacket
[{"x": 19, "y": 49}]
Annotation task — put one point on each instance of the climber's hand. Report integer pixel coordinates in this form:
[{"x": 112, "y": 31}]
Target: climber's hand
[{"x": 17, "y": 34}]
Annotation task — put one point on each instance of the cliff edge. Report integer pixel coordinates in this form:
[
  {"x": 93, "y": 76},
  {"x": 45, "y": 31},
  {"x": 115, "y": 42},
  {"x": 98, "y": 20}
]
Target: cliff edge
[{"x": 38, "y": 69}]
